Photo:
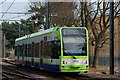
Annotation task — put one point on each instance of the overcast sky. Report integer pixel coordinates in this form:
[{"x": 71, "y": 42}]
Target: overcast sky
[
  {"x": 18, "y": 6},
  {"x": 15, "y": 7}
]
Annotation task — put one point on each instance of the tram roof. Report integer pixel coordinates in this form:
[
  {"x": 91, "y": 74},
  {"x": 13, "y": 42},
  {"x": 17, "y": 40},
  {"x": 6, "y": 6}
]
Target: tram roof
[
  {"x": 41, "y": 33},
  {"x": 35, "y": 34}
]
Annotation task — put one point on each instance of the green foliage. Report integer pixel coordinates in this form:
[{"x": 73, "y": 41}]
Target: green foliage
[
  {"x": 11, "y": 30},
  {"x": 61, "y": 14},
  {"x": 40, "y": 13}
]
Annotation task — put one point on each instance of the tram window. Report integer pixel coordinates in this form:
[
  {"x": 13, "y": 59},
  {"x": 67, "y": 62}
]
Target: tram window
[
  {"x": 29, "y": 50},
  {"x": 15, "y": 50},
  {"x": 55, "y": 49},
  {"x": 41, "y": 48},
  {"x": 20, "y": 50},
  {"x": 23, "y": 50},
  {"x": 33, "y": 50},
  {"x": 36, "y": 49},
  {"x": 26, "y": 50},
  {"x": 47, "y": 49},
  {"x": 50, "y": 48},
  {"x": 74, "y": 42}
]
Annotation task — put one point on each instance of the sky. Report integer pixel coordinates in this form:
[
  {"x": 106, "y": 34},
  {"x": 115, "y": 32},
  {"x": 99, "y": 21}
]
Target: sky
[
  {"x": 19, "y": 6},
  {"x": 16, "y": 7}
]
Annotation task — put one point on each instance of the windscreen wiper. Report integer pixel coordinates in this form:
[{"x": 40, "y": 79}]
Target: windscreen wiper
[{"x": 72, "y": 55}]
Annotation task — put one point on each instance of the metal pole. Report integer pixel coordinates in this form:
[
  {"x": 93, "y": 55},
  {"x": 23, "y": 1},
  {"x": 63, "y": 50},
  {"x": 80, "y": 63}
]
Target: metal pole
[
  {"x": 1, "y": 43},
  {"x": 47, "y": 16},
  {"x": 19, "y": 31},
  {"x": 4, "y": 46},
  {"x": 112, "y": 38}
]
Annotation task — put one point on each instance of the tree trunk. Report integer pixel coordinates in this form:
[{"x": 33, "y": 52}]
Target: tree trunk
[
  {"x": 82, "y": 14},
  {"x": 95, "y": 57},
  {"x": 33, "y": 27}
]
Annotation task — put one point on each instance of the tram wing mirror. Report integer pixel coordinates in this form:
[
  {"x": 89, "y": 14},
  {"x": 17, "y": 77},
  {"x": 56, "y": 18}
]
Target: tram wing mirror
[{"x": 58, "y": 42}]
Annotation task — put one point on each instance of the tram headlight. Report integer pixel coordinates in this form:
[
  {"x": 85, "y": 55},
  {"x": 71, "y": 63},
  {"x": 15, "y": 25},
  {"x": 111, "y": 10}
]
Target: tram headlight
[
  {"x": 85, "y": 62},
  {"x": 65, "y": 62}
]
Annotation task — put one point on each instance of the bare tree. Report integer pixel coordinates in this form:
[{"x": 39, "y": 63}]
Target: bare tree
[
  {"x": 95, "y": 16},
  {"x": 62, "y": 13},
  {"x": 99, "y": 25}
]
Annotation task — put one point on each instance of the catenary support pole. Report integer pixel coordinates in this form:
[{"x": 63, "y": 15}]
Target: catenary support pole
[
  {"x": 4, "y": 46},
  {"x": 19, "y": 30},
  {"x": 47, "y": 16},
  {"x": 112, "y": 38}
]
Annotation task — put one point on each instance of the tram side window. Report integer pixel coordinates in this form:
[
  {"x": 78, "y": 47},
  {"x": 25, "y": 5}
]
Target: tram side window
[
  {"x": 37, "y": 50},
  {"x": 26, "y": 50},
  {"x": 29, "y": 50},
  {"x": 55, "y": 49},
  {"x": 23, "y": 50},
  {"x": 47, "y": 49},
  {"x": 41, "y": 48},
  {"x": 33, "y": 50},
  {"x": 20, "y": 51},
  {"x": 15, "y": 50}
]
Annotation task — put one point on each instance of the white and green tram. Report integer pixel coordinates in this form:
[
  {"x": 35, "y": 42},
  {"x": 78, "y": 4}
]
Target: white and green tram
[{"x": 59, "y": 49}]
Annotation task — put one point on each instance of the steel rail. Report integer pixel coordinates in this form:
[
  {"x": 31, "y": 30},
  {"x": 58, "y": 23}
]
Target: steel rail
[
  {"x": 16, "y": 73},
  {"x": 24, "y": 76},
  {"x": 6, "y": 77}
]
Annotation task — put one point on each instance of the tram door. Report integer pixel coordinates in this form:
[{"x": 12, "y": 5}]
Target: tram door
[
  {"x": 33, "y": 54},
  {"x": 41, "y": 54}
]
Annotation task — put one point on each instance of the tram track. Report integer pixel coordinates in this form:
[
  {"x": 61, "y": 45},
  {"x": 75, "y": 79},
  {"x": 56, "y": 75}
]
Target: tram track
[
  {"x": 38, "y": 74},
  {"x": 41, "y": 73},
  {"x": 11, "y": 73},
  {"x": 5, "y": 76}
]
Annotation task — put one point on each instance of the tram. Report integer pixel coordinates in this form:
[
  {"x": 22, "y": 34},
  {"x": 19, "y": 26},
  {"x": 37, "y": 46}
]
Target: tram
[{"x": 58, "y": 49}]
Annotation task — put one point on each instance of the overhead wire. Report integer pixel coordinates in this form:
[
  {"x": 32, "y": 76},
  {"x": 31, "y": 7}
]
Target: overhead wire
[
  {"x": 24, "y": 13},
  {"x": 8, "y": 9},
  {"x": 3, "y": 2},
  {"x": 17, "y": 16},
  {"x": 17, "y": 12},
  {"x": 18, "y": 20}
]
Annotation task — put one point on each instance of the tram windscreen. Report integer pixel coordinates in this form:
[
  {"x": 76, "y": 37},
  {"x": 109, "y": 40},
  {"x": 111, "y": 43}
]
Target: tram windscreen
[{"x": 74, "y": 42}]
